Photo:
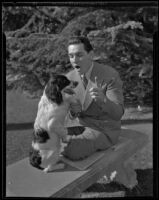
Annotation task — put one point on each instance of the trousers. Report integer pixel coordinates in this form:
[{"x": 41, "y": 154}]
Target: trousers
[{"x": 84, "y": 142}]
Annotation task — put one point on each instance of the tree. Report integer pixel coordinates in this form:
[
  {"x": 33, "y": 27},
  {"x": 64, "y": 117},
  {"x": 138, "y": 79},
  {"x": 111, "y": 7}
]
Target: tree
[{"x": 37, "y": 43}]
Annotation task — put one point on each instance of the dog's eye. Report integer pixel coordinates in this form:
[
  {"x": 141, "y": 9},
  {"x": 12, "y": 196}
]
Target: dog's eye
[{"x": 63, "y": 84}]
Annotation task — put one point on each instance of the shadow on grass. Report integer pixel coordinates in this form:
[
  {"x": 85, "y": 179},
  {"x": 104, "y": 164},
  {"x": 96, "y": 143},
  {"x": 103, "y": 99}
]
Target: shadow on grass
[
  {"x": 19, "y": 126},
  {"x": 143, "y": 188},
  {"x": 136, "y": 121},
  {"x": 30, "y": 125}
]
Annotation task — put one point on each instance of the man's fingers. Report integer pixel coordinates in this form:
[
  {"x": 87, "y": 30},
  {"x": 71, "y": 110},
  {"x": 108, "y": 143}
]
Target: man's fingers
[
  {"x": 101, "y": 85},
  {"x": 94, "y": 90},
  {"x": 94, "y": 93},
  {"x": 95, "y": 98},
  {"x": 104, "y": 86},
  {"x": 95, "y": 80}
]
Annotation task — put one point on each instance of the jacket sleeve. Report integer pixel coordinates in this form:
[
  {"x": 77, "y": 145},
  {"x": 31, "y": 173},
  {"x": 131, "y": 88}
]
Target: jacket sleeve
[{"x": 114, "y": 105}]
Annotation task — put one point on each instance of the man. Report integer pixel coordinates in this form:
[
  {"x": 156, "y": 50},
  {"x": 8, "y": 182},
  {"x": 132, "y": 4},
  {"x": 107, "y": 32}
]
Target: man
[{"x": 103, "y": 115}]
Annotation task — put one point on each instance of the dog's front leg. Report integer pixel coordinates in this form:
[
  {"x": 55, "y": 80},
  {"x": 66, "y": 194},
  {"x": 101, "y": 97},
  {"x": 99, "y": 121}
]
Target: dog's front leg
[
  {"x": 60, "y": 130},
  {"x": 63, "y": 132},
  {"x": 51, "y": 168}
]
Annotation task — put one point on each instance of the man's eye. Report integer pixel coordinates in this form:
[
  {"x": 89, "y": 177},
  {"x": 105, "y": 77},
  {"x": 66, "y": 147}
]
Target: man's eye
[
  {"x": 80, "y": 55},
  {"x": 77, "y": 55}
]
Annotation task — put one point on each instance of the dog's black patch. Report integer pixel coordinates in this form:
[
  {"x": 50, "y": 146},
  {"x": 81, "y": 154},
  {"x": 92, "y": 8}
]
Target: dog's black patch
[
  {"x": 35, "y": 158},
  {"x": 40, "y": 135},
  {"x": 54, "y": 87}
]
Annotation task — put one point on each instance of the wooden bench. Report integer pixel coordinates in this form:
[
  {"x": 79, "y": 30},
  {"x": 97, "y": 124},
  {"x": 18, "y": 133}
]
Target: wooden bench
[{"x": 23, "y": 180}]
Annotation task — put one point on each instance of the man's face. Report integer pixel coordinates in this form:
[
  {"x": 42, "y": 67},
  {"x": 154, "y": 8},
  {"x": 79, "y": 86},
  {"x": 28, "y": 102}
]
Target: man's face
[{"x": 80, "y": 57}]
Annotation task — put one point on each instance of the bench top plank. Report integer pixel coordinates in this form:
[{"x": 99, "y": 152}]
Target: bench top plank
[{"x": 23, "y": 180}]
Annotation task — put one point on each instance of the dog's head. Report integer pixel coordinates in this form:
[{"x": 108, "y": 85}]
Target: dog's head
[{"x": 58, "y": 87}]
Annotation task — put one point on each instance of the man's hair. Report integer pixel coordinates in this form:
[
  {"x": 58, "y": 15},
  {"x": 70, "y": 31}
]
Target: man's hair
[{"x": 81, "y": 40}]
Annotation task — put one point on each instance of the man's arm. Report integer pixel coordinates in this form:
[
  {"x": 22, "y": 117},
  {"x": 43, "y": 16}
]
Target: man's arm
[
  {"x": 110, "y": 99},
  {"x": 114, "y": 110}
]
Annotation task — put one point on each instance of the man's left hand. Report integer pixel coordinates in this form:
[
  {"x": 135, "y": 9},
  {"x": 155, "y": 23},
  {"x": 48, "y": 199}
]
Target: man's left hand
[{"x": 98, "y": 93}]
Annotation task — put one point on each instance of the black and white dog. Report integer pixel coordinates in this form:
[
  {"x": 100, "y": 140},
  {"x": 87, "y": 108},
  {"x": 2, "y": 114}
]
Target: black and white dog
[{"x": 49, "y": 127}]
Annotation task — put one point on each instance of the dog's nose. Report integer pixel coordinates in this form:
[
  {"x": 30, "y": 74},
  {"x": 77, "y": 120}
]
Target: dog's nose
[{"x": 75, "y": 83}]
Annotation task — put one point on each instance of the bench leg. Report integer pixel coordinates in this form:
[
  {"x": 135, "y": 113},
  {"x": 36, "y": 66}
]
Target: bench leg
[{"x": 126, "y": 175}]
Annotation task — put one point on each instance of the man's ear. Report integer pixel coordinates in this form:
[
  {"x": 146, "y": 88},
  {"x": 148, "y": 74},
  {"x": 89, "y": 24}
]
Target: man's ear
[{"x": 91, "y": 54}]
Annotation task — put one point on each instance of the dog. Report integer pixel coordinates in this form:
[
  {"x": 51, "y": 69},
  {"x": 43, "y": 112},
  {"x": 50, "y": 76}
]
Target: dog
[{"x": 49, "y": 127}]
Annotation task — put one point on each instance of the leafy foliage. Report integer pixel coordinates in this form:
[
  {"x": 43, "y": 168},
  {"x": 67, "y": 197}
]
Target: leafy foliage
[{"x": 37, "y": 44}]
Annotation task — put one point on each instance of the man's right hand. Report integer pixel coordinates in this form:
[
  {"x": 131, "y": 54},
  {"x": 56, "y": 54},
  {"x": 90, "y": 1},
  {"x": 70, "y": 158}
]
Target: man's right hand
[{"x": 75, "y": 108}]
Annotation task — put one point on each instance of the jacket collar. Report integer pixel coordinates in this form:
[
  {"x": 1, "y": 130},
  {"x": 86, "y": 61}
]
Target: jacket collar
[{"x": 88, "y": 73}]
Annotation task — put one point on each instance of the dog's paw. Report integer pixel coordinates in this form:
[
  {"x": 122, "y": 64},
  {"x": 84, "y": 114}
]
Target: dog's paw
[
  {"x": 54, "y": 167},
  {"x": 64, "y": 137},
  {"x": 46, "y": 170}
]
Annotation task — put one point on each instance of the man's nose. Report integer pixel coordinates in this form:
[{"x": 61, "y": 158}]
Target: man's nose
[{"x": 75, "y": 59}]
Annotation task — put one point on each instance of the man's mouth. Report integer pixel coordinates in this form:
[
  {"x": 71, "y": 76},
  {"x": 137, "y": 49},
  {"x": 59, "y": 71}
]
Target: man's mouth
[{"x": 77, "y": 67}]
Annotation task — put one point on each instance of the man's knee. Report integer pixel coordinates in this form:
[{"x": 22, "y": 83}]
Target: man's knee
[
  {"x": 85, "y": 144},
  {"x": 79, "y": 148},
  {"x": 77, "y": 130}
]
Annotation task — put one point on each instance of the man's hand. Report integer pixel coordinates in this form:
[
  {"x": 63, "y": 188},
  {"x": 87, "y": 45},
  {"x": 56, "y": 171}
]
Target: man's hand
[
  {"x": 98, "y": 93},
  {"x": 75, "y": 108}
]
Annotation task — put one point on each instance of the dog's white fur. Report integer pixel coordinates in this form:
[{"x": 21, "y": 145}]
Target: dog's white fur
[{"x": 51, "y": 117}]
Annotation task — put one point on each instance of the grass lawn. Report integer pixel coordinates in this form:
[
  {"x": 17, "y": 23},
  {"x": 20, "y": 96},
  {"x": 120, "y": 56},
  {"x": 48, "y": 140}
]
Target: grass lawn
[{"x": 20, "y": 115}]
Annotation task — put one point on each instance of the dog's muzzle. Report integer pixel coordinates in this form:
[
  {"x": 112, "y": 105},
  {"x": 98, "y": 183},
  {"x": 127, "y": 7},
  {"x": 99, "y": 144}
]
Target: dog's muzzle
[
  {"x": 69, "y": 90},
  {"x": 74, "y": 83}
]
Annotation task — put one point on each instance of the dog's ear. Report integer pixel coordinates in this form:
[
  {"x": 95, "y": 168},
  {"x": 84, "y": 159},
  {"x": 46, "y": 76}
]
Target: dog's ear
[
  {"x": 53, "y": 93},
  {"x": 53, "y": 75},
  {"x": 35, "y": 158}
]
